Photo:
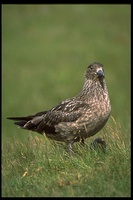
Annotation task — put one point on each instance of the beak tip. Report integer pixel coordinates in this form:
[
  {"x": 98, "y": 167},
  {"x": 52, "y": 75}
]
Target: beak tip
[{"x": 100, "y": 73}]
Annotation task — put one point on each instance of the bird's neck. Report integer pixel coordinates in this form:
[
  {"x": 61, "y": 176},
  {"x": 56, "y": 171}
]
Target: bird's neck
[{"x": 93, "y": 87}]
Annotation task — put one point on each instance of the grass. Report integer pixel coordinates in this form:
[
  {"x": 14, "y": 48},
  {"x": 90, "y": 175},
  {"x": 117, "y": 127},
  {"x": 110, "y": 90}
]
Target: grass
[
  {"x": 45, "y": 52},
  {"x": 41, "y": 168}
]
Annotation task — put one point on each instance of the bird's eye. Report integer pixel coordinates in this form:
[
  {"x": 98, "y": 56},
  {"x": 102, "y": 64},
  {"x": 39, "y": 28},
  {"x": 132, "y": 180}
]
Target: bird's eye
[{"x": 91, "y": 67}]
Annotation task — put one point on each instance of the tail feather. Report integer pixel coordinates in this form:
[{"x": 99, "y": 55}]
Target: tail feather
[
  {"x": 20, "y": 118},
  {"x": 30, "y": 122},
  {"x": 33, "y": 122},
  {"x": 27, "y": 118},
  {"x": 20, "y": 121}
]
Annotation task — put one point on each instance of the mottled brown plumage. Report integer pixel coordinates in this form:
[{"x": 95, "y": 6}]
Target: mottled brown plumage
[{"x": 76, "y": 118}]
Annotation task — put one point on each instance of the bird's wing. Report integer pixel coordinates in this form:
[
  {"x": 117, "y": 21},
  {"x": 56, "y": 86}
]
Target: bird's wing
[
  {"x": 71, "y": 105},
  {"x": 66, "y": 111}
]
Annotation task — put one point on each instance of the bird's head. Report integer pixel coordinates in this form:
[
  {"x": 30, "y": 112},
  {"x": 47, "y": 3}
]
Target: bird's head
[{"x": 95, "y": 71}]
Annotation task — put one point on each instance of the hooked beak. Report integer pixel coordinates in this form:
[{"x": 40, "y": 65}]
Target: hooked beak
[{"x": 100, "y": 73}]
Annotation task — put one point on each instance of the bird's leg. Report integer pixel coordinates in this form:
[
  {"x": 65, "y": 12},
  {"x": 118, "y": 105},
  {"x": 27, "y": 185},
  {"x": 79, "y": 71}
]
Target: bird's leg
[
  {"x": 82, "y": 141},
  {"x": 70, "y": 148},
  {"x": 79, "y": 139}
]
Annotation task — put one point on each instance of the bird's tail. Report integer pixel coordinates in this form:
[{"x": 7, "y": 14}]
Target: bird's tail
[
  {"x": 30, "y": 122},
  {"x": 20, "y": 121}
]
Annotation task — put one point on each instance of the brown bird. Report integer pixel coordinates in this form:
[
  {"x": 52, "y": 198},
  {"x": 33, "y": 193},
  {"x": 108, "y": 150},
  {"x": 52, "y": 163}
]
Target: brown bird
[{"x": 77, "y": 118}]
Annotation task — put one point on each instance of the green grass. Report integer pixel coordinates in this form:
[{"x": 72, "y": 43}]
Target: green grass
[
  {"x": 41, "y": 168},
  {"x": 45, "y": 52}
]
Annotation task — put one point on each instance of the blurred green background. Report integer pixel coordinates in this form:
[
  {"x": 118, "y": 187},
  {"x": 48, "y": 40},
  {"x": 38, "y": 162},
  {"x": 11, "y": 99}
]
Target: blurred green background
[{"x": 46, "y": 50}]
